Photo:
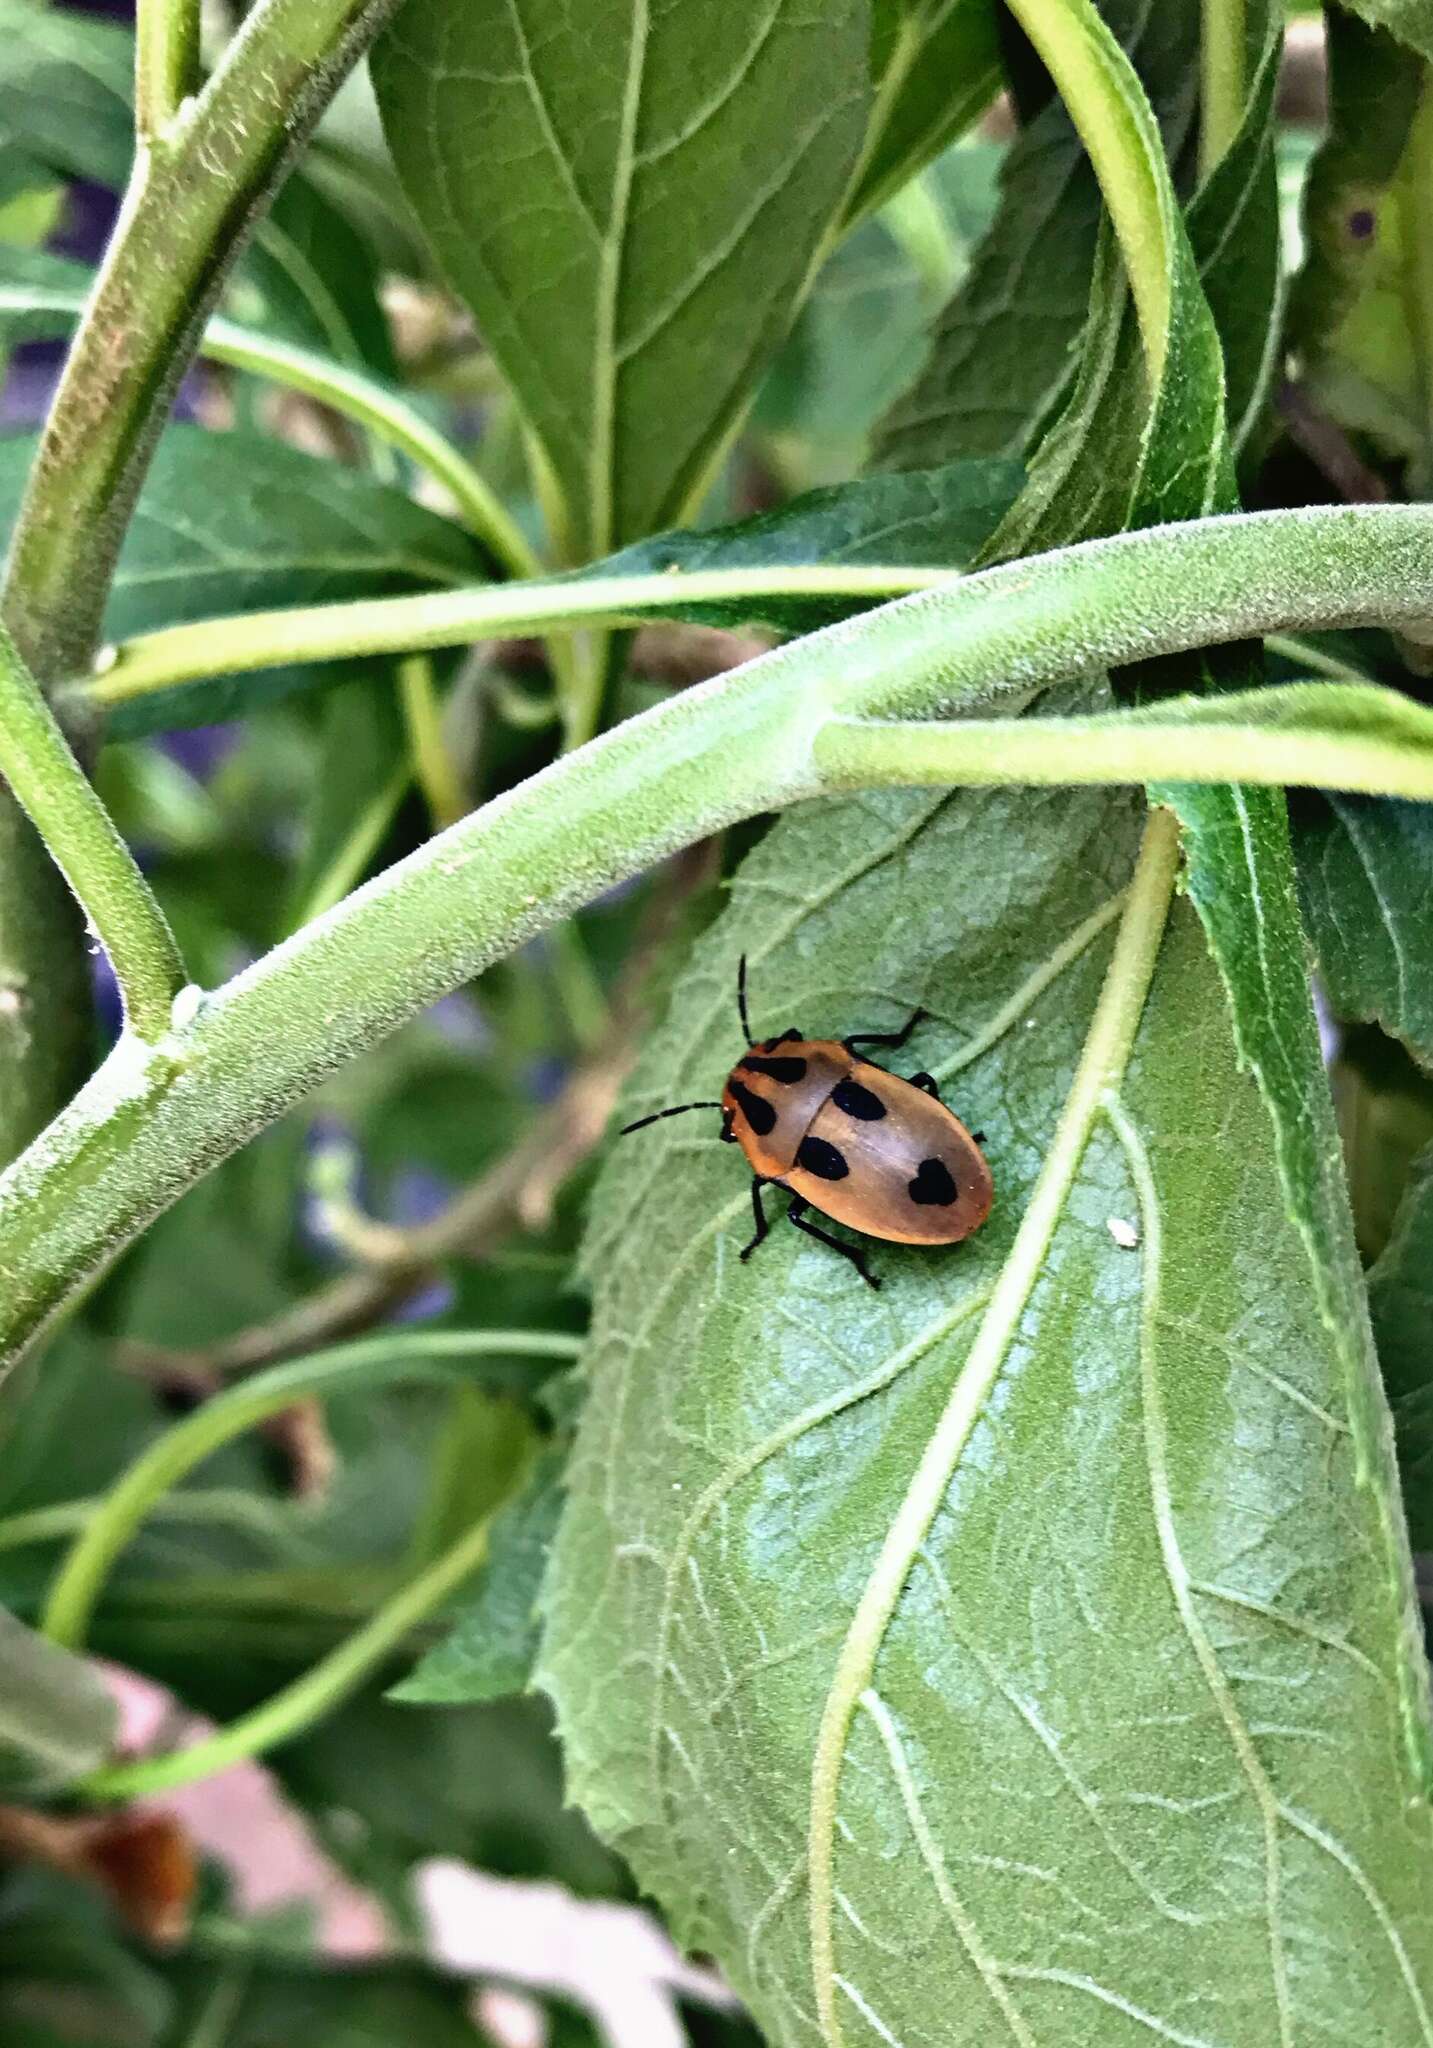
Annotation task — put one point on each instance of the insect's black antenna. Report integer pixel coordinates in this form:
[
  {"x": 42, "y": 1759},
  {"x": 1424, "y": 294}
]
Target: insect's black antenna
[
  {"x": 741, "y": 999},
  {"x": 680, "y": 1110}
]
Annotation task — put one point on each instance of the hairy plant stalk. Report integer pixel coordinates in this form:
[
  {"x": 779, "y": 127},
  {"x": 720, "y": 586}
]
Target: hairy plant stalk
[{"x": 196, "y": 189}]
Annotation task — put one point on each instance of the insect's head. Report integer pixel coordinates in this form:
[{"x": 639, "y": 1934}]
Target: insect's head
[{"x": 679, "y": 1109}]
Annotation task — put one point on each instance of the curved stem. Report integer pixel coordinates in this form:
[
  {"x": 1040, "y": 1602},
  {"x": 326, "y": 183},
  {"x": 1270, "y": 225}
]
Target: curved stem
[
  {"x": 456, "y": 618},
  {"x": 58, "y": 797},
  {"x": 145, "y": 1127},
  {"x": 1315, "y": 736},
  {"x": 380, "y": 1361},
  {"x": 299, "y": 1705}
]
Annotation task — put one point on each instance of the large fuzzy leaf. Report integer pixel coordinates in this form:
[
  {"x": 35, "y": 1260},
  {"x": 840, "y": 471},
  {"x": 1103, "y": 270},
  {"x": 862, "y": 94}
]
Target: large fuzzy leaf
[
  {"x": 57, "y": 1720},
  {"x": 1071, "y": 1795},
  {"x": 631, "y": 200}
]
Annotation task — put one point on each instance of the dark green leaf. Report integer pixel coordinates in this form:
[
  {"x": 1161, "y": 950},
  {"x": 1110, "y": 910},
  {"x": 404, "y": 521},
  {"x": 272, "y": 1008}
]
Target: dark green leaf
[
  {"x": 862, "y": 334},
  {"x": 631, "y": 207},
  {"x": 233, "y": 522},
  {"x": 934, "y": 66},
  {"x": 312, "y": 278},
  {"x": 938, "y": 518},
  {"x": 1363, "y": 866},
  {"x": 65, "y": 85},
  {"x": 1400, "y": 1299},
  {"x": 57, "y": 1719},
  {"x": 493, "y": 1645},
  {"x": 66, "y": 1979},
  {"x": 1002, "y": 355},
  {"x": 1410, "y": 20}
]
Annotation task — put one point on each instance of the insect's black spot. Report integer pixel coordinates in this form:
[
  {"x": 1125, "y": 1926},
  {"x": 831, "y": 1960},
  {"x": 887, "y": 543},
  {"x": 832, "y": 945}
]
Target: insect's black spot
[
  {"x": 759, "y": 1113},
  {"x": 933, "y": 1186},
  {"x": 824, "y": 1160},
  {"x": 785, "y": 1069},
  {"x": 770, "y": 1044},
  {"x": 858, "y": 1102},
  {"x": 1361, "y": 223}
]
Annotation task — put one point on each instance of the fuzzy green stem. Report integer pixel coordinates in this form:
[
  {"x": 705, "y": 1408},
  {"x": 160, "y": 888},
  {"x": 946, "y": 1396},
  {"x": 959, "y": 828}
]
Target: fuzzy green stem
[
  {"x": 309, "y": 1698},
  {"x": 166, "y": 62},
  {"x": 56, "y": 794},
  {"x": 1106, "y": 102},
  {"x": 1355, "y": 737},
  {"x": 456, "y": 618},
  {"x": 145, "y": 1128},
  {"x": 377, "y": 1361}
]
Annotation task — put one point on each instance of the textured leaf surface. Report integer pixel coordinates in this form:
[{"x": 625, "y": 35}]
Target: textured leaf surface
[
  {"x": 1364, "y": 865},
  {"x": 1129, "y": 1758},
  {"x": 630, "y": 198},
  {"x": 56, "y": 1718},
  {"x": 231, "y": 522},
  {"x": 1400, "y": 1298}
]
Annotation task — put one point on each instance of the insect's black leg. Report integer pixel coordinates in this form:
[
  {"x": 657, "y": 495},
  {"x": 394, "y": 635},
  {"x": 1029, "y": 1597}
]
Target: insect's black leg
[
  {"x": 928, "y": 1082},
  {"x": 762, "y": 1226},
  {"x": 797, "y": 1212},
  {"x": 889, "y": 1039}
]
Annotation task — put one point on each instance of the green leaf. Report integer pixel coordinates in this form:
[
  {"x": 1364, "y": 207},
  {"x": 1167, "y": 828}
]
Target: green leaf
[
  {"x": 1002, "y": 352},
  {"x": 631, "y": 206},
  {"x": 57, "y": 1720},
  {"x": 1410, "y": 20},
  {"x": 493, "y": 1645},
  {"x": 935, "y": 64},
  {"x": 1083, "y": 1690},
  {"x": 312, "y": 278},
  {"x": 1363, "y": 345},
  {"x": 1363, "y": 868},
  {"x": 1400, "y": 1300},
  {"x": 231, "y": 522},
  {"x": 938, "y": 518},
  {"x": 65, "y": 87}
]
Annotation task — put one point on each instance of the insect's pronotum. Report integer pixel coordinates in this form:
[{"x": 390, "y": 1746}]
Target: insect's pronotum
[{"x": 865, "y": 1147}]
